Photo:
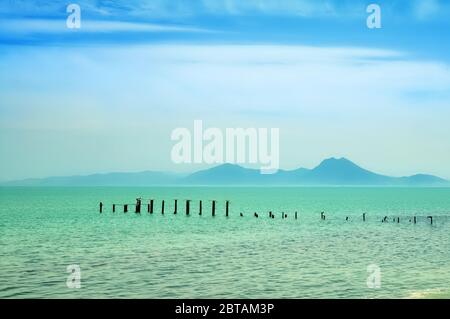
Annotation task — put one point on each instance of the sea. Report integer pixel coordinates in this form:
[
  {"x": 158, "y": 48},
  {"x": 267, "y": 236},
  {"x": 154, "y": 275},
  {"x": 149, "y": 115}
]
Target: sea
[{"x": 54, "y": 243}]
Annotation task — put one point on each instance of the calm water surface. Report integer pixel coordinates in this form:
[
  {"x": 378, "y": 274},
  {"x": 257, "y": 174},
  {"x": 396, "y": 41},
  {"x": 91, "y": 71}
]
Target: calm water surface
[{"x": 43, "y": 230}]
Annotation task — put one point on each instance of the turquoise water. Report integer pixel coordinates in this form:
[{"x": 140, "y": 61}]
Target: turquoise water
[{"x": 43, "y": 230}]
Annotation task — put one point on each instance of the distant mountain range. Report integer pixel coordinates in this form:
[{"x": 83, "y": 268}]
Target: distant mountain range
[{"x": 330, "y": 172}]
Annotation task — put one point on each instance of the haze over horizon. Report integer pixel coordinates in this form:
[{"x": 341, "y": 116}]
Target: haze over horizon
[
  {"x": 106, "y": 97},
  {"x": 329, "y": 172}
]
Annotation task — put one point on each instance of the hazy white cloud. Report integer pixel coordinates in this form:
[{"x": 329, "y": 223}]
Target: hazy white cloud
[
  {"x": 378, "y": 107},
  {"x": 292, "y": 78},
  {"x": 31, "y": 26},
  {"x": 243, "y": 79}
]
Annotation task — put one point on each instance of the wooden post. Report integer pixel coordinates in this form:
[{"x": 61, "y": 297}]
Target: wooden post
[
  {"x": 101, "y": 207},
  {"x": 138, "y": 206},
  {"x": 213, "y": 208},
  {"x": 187, "y": 207},
  {"x": 226, "y": 208},
  {"x": 200, "y": 208},
  {"x": 150, "y": 206},
  {"x": 176, "y": 206},
  {"x": 162, "y": 207},
  {"x": 125, "y": 208},
  {"x": 114, "y": 208}
]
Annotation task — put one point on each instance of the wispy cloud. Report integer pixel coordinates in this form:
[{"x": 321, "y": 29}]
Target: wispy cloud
[
  {"x": 328, "y": 22},
  {"x": 183, "y": 8},
  {"x": 159, "y": 8},
  {"x": 42, "y": 26},
  {"x": 240, "y": 78},
  {"x": 272, "y": 7}
]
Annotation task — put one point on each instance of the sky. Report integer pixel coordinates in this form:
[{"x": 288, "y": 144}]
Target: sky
[{"x": 106, "y": 97}]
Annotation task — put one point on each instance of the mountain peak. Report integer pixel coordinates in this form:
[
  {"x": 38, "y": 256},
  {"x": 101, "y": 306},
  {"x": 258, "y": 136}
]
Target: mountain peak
[
  {"x": 227, "y": 167},
  {"x": 336, "y": 162},
  {"x": 342, "y": 171}
]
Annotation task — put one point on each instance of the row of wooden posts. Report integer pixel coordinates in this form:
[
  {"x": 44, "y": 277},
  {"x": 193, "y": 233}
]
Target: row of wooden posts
[
  {"x": 150, "y": 207},
  {"x": 150, "y": 210}
]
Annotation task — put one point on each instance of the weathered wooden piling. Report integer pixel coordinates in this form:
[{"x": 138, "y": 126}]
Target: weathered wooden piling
[
  {"x": 227, "y": 205},
  {"x": 138, "y": 206},
  {"x": 188, "y": 202},
  {"x": 213, "y": 208},
  {"x": 150, "y": 209},
  {"x": 150, "y": 206},
  {"x": 200, "y": 208}
]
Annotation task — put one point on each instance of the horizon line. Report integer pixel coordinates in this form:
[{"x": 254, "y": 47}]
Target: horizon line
[{"x": 212, "y": 166}]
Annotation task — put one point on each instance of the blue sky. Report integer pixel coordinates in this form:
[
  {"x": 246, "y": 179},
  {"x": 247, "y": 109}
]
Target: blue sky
[{"x": 106, "y": 97}]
